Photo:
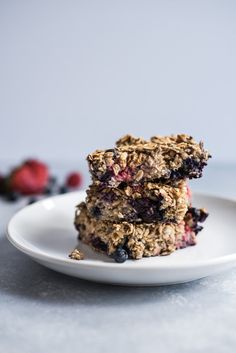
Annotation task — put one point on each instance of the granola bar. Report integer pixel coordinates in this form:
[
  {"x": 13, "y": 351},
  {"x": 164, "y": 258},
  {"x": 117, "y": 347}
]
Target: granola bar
[
  {"x": 135, "y": 160},
  {"x": 147, "y": 202},
  {"x": 136, "y": 240}
]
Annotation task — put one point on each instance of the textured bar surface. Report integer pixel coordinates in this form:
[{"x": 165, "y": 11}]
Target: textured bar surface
[
  {"x": 135, "y": 160},
  {"x": 138, "y": 239},
  {"x": 147, "y": 202}
]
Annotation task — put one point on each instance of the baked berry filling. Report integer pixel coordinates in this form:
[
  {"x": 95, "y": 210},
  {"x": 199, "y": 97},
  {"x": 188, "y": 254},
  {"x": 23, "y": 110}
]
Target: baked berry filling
[
  {"x": 96, "y": 212},
  {"x": 98, "y": 244},
  {"x": 193, "y": 217},
  {"x": 191, "y": 168},
  {"x": 148, "y": 210}
]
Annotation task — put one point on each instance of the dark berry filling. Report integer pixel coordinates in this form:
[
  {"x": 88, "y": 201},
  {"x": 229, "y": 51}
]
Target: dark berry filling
[
  {"x": 147, "y": 209},
  {"x": 109, "y": 197},
  {"x": 95, "y": 212},
  {"x": 197, "y": 229},
  {"x": 190, "y": 168},
  {"x": 203, "y": 215},
  {"x": 98, "y": 244},
  {"x": 198, "y": 215},
  {"x": 193, "y": 217},
  {"x": 106, "y": 176}
]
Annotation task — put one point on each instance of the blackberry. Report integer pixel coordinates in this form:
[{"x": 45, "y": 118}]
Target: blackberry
[{"x": 120, "y": 255}]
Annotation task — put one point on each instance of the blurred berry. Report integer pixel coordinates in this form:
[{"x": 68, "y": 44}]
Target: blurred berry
[
  {"x": 32, "y": 200},
  {"x": 2, "y": 185},
  {"x": 74, "y": 180},
  {"x": 63, "y": 189},
  {"x": 13, "y": 196},
  {"x": 29, "y": 178}
]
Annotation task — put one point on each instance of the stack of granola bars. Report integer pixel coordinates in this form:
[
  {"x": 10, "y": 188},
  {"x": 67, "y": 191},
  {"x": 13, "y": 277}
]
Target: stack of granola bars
[{"x": 139, "y": 204}]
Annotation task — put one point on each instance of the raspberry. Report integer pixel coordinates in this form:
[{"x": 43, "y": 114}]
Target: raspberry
[{"x": 74, "y": 180}]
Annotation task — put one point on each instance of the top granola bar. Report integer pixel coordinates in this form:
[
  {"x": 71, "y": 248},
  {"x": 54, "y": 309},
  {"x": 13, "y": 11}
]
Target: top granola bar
[{"x": 134, "y": 160}]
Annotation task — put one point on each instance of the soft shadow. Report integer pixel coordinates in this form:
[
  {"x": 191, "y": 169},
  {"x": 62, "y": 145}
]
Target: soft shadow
[{"x": 22, "y": 277}]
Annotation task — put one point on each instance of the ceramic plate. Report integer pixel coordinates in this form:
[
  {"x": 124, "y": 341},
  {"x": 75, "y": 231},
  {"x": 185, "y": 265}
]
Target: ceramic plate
[{"x": 45, "y": 232}]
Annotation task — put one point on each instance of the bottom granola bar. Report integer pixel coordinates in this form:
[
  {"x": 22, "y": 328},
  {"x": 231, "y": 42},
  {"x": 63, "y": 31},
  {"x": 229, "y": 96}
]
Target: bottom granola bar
[{"x": 136, "y": 240}]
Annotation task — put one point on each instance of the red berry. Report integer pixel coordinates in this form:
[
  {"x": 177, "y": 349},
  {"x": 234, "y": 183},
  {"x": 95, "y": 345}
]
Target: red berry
[
  {"x": 74, "y": 180},
  {"x": 30, "y": 178}
]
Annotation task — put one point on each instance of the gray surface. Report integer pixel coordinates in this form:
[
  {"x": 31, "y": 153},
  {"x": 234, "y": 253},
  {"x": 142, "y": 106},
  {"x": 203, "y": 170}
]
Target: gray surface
[
  {"x": 78, "y": 74},
  {"x": 43, "y": 311}
]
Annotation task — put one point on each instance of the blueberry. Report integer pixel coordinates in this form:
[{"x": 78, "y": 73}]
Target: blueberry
[
  {"x": 32, "y": 200},
  {"x": 63, "y": 189},
  {"x": 13, "y": 196},
  {"x": 120, "y": 255}
]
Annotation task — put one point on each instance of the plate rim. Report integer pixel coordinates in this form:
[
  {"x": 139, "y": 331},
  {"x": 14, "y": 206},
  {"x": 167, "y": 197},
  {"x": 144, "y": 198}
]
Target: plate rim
[{"x": 43, "y": 256}]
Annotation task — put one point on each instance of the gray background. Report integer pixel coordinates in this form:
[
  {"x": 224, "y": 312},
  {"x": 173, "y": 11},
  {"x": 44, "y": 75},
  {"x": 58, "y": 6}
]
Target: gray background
[{"x": 75, "y": 75}]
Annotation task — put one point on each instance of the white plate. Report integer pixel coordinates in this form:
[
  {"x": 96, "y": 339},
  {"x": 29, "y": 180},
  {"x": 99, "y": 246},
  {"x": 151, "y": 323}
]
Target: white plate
[{"x": 45, "y": 232}]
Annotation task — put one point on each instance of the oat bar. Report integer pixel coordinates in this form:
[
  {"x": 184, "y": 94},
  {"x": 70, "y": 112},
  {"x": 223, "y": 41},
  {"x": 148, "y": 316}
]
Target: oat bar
[
  {"x": 135, "y": 160},
  {"x": 136, "y": 240},
  {"x": 149, "y": 202}
]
